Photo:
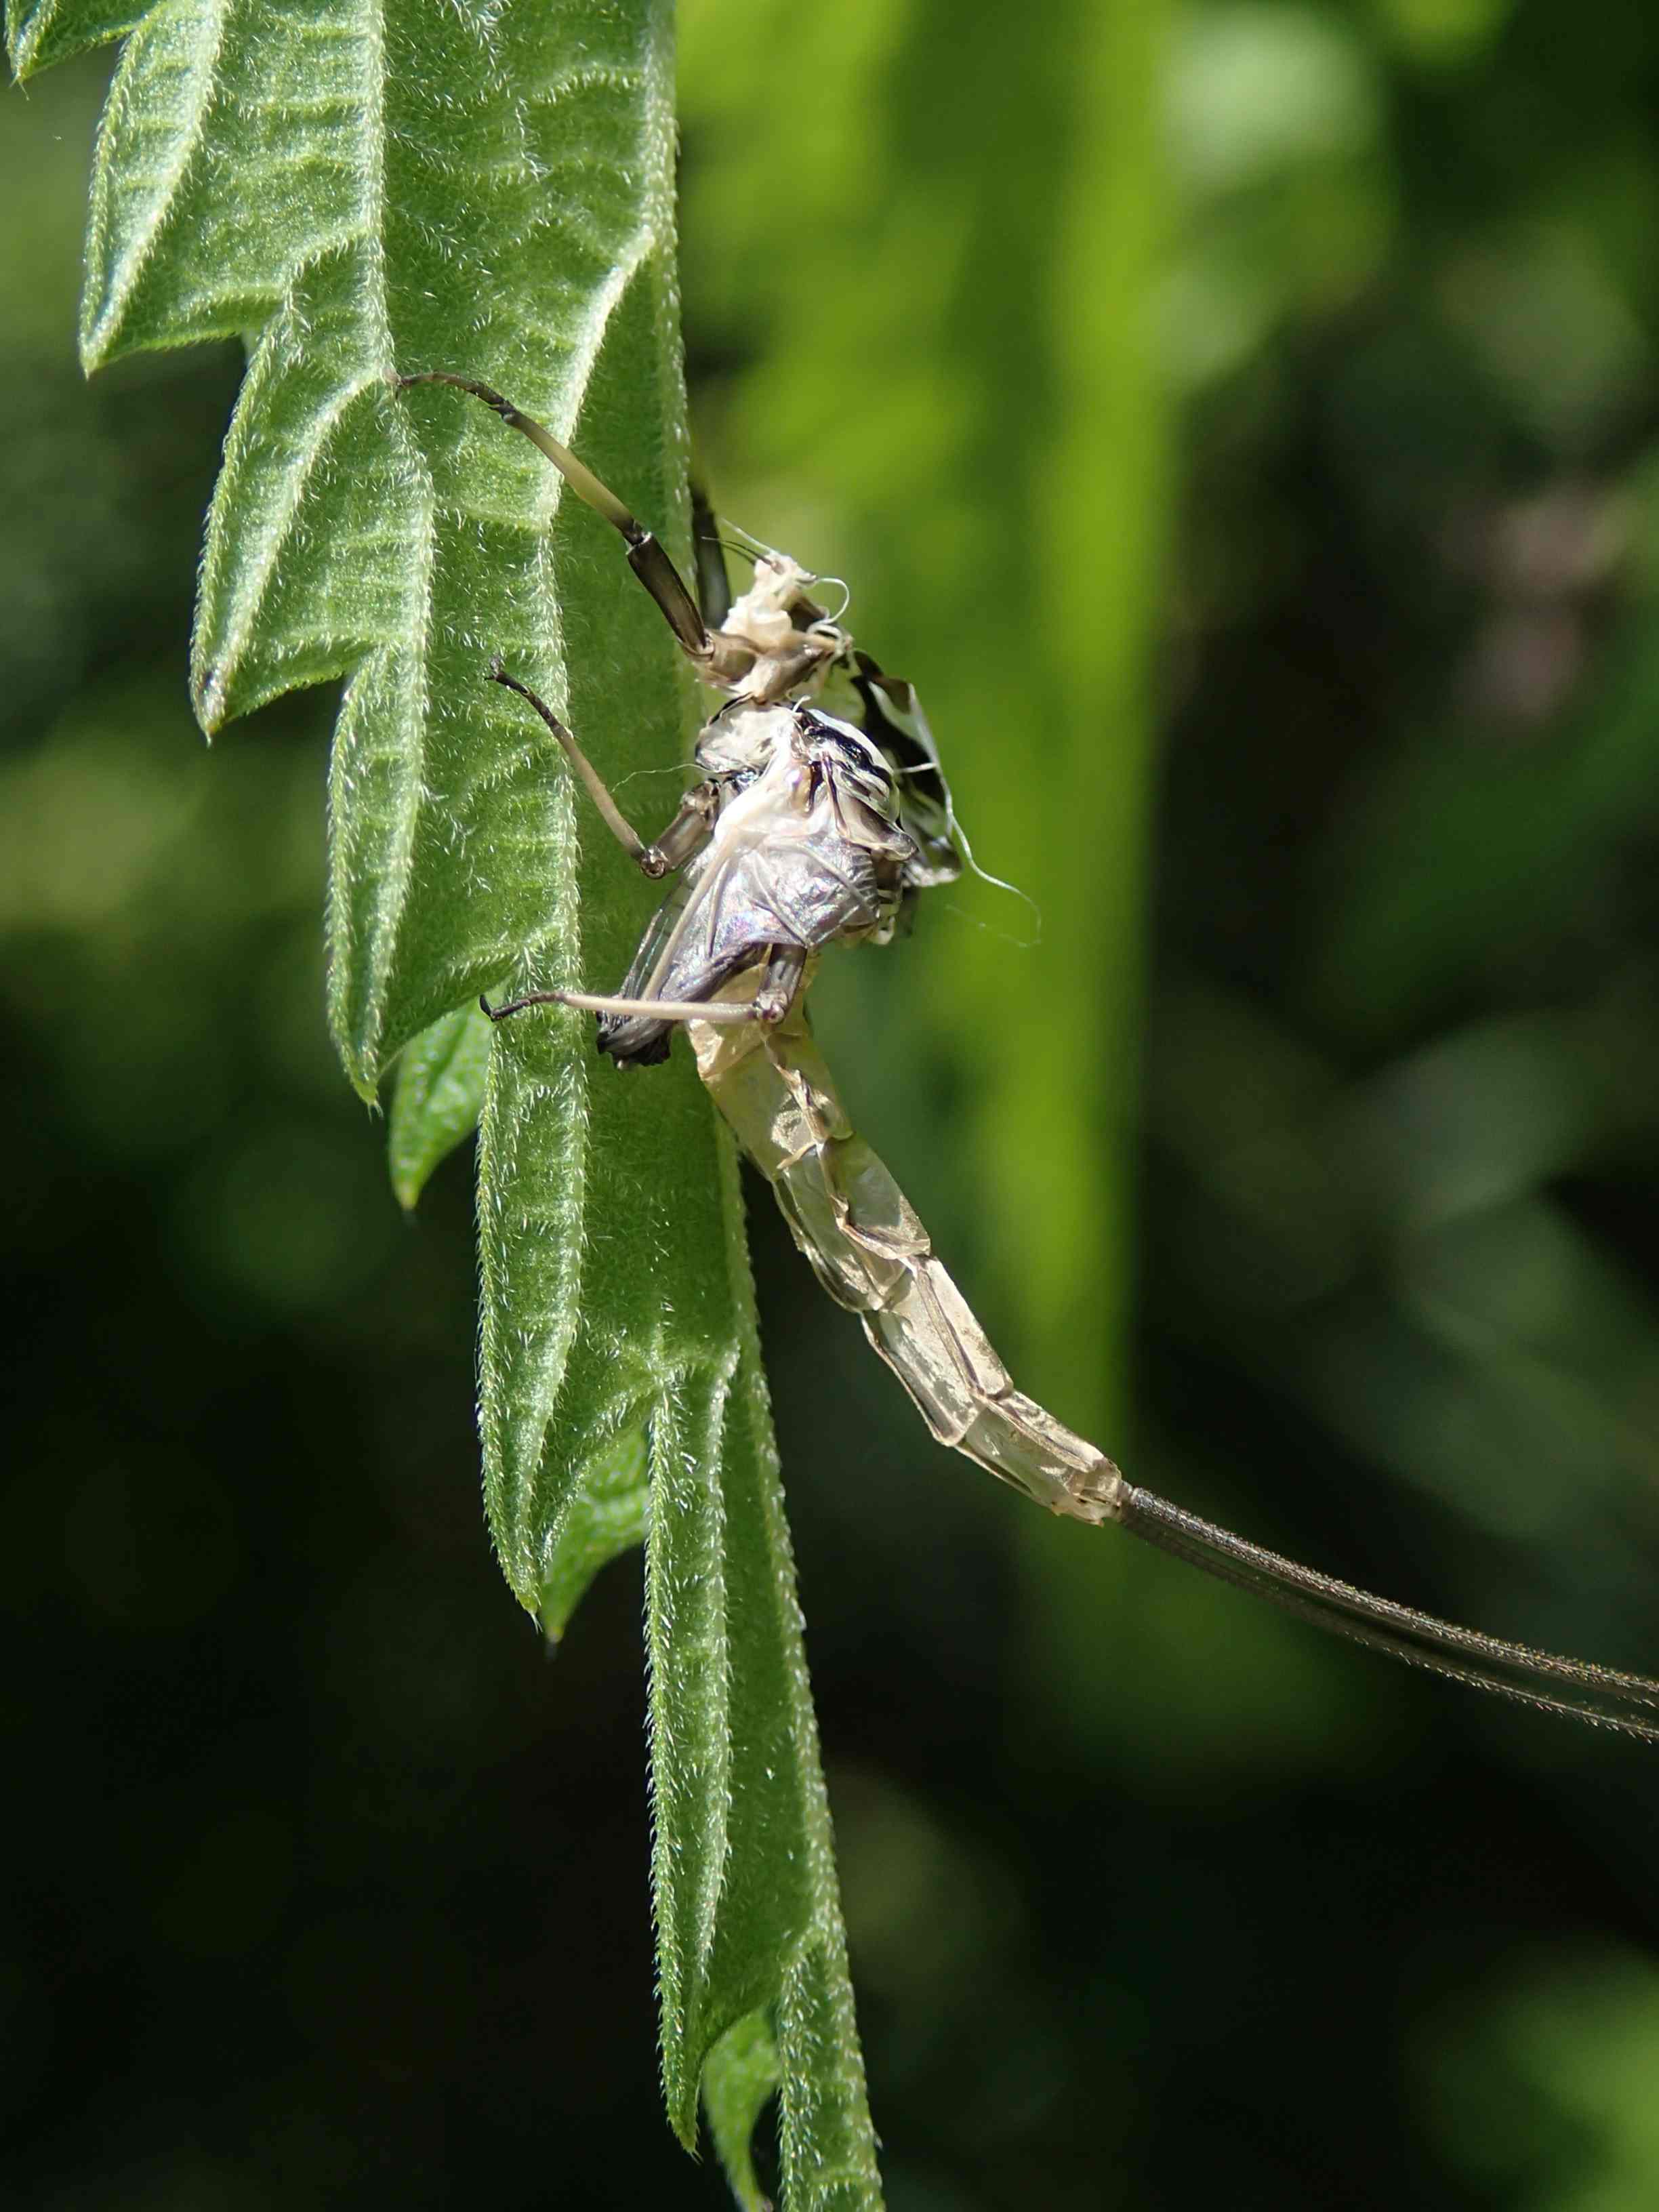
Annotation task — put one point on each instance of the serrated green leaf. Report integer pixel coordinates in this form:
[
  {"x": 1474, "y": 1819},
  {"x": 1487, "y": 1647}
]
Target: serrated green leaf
[
  {"x": 438, "y": 1098},
  {"x": 828, "y": 2145},
  {"x": 744, "y": 1864},
  {"x": 373, "y": 188},
  {"x": 738, "y": 2082},
  {"x": 733, "y": 1898},
  {"x": 370, "y": 187},
  {"x": 607, "y": 1517},
  {"x": 747, "y": 1914},
  {"x": 178, "y": 246},
  {"x": 41, "y": 32}
]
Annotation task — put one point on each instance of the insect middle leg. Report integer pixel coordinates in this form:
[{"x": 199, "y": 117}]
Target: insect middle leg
[
  {"x": 647, "y": 556},
  {"x": 688, "y": 830}
]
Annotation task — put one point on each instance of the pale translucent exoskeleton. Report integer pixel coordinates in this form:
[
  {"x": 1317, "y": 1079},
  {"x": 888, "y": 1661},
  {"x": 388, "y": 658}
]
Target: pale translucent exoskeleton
[{"x": 807, "y": 828}]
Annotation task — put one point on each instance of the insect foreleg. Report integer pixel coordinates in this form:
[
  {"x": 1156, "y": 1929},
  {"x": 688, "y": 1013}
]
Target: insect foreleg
[
  {"x": 646, "y": 554},
  {"x": 684, "y": 833},
  {"x": 714, "y": 585}
]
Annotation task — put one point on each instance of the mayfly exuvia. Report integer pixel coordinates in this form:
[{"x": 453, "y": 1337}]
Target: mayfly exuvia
[{"x": 810, "y": 827}]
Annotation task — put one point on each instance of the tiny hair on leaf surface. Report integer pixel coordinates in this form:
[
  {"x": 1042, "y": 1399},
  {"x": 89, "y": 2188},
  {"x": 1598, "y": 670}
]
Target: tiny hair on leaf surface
[{"x": 357, "y": 191}]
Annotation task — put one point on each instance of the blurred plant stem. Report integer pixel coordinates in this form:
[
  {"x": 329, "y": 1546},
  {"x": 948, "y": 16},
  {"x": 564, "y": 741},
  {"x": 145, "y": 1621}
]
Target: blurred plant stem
[{"x": 1100, "y": 507}]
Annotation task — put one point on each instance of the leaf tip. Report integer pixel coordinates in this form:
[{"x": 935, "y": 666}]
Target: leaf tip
[
  {"x": 361, "y": 1072},
  {"x": 98, "y": 339},
  {"x": 682, "y": 2109},
  {"x": 552, "y": 1611},
  {"x": 23, "y": 33},
  {"x": 360, "y": 1053},
  {"x": 208, "y": 696}
]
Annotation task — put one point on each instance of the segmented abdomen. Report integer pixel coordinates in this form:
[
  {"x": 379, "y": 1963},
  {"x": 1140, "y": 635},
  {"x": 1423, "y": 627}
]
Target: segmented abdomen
[{"x": 872, "y": 1253}]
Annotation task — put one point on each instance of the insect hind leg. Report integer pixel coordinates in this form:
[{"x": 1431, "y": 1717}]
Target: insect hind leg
[
  {"x": 775, "y": 994},
  {"x": 621, "y": 1009}
]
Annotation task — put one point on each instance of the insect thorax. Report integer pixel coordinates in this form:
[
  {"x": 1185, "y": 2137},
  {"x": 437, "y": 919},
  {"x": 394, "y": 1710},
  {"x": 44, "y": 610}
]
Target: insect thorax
[
  {"x": 743, "y": 740},
  {"x": 776, "y": 640}
]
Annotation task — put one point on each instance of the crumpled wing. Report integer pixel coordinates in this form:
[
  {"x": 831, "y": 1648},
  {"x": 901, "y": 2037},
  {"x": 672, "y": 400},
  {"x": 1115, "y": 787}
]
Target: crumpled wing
[
  {"x": 892, "y": 717},
  {"x": 712, "y": 927}
]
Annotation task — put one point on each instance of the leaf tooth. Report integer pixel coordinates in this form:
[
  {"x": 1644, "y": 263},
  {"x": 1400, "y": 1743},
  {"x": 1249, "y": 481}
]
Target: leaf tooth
[{"x": 182, "y": 40}]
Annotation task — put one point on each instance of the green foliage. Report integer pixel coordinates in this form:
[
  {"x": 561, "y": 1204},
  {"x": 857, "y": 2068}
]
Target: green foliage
[
  {"x": 439, "y": 1095},
  {"x": 609, "y": 1513},
  {"x": 1540, "y": 2091},
  {"x": 352, "y": 1883},
  {"x": 738, "y": 2080},
  {"x": 369, "y": 191}
]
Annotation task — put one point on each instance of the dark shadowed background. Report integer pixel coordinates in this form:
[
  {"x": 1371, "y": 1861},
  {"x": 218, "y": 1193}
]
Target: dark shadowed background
[{"x": 327, "y": 1886}]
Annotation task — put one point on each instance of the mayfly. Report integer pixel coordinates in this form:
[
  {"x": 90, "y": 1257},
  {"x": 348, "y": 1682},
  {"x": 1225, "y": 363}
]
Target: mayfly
[{"x": 810, "y": 827}]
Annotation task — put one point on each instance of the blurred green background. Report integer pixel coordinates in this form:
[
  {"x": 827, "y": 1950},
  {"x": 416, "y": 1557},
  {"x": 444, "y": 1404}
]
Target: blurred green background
[{"x": 1242, "y": 424}]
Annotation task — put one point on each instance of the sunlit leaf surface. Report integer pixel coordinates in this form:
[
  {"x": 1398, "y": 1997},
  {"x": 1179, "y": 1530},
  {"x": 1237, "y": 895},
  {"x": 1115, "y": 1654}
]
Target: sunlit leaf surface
[
  {"x": 1396, "y": 1277},
  {"x": 368, "y": 190}
]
